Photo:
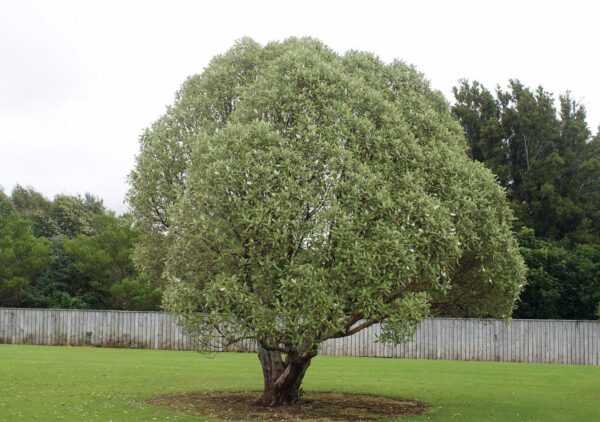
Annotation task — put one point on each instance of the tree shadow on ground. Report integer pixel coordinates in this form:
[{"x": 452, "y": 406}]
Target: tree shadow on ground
[{"x": 317, "y": 406}]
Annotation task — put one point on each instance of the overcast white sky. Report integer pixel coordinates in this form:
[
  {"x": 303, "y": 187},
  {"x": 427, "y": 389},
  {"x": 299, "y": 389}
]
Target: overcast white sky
[{"x": 80, "y": 80}]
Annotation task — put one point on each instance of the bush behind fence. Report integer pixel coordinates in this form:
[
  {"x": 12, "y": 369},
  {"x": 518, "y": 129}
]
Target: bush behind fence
[{"x": 541, "y": 341}]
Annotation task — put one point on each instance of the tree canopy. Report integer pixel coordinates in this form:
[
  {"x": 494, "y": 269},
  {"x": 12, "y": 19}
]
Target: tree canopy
[
  {"x": 292, "y": 194},
  {"x": 69, "y": 252},
  {"x": 544, "y": 157},
  {"x": 22, "y": 258},
  {"x": 543, "y": 154}
]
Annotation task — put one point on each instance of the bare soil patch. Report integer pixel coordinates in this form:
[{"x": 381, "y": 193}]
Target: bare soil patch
[{"x": 317, "y": 407}]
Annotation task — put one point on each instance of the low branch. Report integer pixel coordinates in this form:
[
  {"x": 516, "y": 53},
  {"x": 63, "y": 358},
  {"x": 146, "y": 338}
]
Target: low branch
[
  {"x": 362, "y": 326},
  {"x": 273, "y": 348},
  {"x": 232, "y": 342}
]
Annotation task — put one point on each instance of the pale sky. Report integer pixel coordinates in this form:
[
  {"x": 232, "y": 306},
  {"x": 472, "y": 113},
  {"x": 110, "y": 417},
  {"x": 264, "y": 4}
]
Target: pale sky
[{"x": 80, "y": 80}]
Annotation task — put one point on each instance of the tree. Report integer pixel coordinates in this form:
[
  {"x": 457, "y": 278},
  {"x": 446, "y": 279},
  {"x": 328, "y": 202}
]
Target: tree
[
  {"x": 586, "y": 186},
  {"x": 302, "y": 195},
  {"x": 101, "y": 261},
  {"x": 6, "y": 205},
  {"x": 89, "y": 271},
  {"x": 480, "y": 115},
  {"x": 562, "y": 282},
  {"x": 22, "y": 258},
  {"x": 543, "y": 157},
  {"x": 36, "y": 208},
  {"x": 66, "y": 215},
  {"x": 551, "y": 169},
  {"x": 135, "y": 294},
  {"x": 68, "y": 253},
  {"x": 73, "y": 215}
]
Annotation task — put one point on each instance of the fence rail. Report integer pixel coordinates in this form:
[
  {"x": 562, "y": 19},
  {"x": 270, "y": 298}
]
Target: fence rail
[{"x": 541, "y": 341}]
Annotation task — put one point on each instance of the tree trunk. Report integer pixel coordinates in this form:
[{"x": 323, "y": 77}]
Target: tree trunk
[{"x": 282, "y": 378}]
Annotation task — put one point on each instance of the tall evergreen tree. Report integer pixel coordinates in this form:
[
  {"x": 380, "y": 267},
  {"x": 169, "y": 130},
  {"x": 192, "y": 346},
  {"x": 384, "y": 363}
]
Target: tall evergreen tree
[
  {"x": 541, "y": 155},
  {"x": 550, "y": 167},
  {"x": 480, "y": 114}
]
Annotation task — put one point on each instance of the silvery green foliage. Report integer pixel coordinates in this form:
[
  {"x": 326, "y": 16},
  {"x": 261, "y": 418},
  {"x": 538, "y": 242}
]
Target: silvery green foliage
[{"x": 302, "y": 195}]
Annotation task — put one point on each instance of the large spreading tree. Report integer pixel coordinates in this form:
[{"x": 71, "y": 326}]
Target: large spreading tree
[{"x": 292, "y": 195}]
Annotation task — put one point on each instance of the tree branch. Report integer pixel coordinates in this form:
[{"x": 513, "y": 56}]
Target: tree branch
[{"x": 362, "y": 326}]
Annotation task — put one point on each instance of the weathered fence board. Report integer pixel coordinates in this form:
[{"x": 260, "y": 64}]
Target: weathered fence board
[{"x": 542, "y": 341}]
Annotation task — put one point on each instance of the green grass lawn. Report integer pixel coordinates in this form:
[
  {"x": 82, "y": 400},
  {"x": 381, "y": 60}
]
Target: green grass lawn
[{"x": 90, "y": 384}]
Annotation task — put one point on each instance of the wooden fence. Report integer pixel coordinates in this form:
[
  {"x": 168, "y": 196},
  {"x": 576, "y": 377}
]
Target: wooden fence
[{"x": 542, "y": 341}]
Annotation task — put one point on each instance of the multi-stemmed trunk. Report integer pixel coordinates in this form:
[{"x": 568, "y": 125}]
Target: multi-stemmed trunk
[{"x": 282, "y": 377}]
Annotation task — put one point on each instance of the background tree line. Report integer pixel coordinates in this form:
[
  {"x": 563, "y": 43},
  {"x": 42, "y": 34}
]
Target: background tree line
[
  {"x": 71, "y": 252},
  {"x": 549, "y": 164}
]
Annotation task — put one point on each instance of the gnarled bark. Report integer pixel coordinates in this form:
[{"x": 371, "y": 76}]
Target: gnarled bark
[{"x": 282, "y": 377}]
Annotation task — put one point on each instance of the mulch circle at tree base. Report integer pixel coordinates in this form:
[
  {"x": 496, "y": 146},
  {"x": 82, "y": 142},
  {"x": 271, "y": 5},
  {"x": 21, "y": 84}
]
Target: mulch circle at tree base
[{"x": 314, "y": 406}]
